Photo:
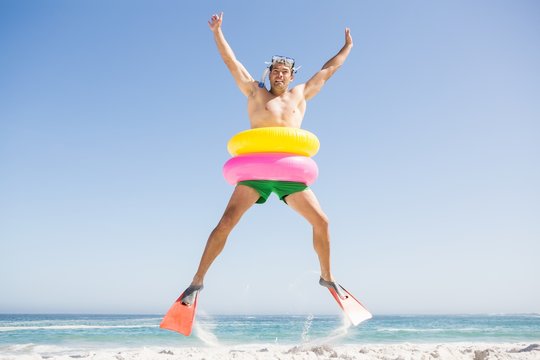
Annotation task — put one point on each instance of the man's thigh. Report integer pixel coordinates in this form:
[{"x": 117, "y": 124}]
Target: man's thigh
[
  {"x": 242, "y": 198},
  {"x": 306, "y": 204}
]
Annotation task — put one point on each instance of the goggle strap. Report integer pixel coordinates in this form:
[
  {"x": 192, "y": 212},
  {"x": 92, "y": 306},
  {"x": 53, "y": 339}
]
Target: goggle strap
[{"x": 294, "y": 69}]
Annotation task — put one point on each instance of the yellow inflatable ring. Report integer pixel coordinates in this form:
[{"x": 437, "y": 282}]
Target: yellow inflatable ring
[{"x": 274, "y": 139}]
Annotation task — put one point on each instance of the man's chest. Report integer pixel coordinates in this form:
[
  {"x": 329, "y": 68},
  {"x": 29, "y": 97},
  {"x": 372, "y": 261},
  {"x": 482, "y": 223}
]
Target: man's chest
[{"x": 280, "y": 105}]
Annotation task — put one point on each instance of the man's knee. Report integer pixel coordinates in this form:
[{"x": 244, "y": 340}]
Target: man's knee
[
  {"x": 229, "y": 220},
  {"x": 321, "y": 222}
]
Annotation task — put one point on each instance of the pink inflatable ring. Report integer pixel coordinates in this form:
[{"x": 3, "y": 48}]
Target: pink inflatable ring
[{"x": 270, "y": 166}]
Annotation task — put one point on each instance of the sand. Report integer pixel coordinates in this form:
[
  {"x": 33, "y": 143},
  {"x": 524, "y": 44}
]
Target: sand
[{"x": 448, "y": 351}]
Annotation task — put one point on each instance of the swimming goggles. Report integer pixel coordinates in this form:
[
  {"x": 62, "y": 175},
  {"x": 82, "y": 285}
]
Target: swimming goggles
[{"x": 278, "y": 59}]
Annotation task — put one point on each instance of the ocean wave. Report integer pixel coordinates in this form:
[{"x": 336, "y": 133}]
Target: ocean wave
[
  {"x": 32, "y": 348},
  {"x": 434, "y": 330},
  {"x": 73, "y": 327}
]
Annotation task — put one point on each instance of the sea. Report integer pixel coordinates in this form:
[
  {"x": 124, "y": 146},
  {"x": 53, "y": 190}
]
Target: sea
[{"x": 49, "y": 335}]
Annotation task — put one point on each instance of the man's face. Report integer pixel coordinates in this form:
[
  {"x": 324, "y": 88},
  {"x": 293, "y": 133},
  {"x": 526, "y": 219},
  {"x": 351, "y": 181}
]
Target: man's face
[{"x": 280, "y": 76}]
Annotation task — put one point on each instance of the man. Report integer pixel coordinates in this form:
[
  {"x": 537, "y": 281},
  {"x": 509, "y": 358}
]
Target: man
[{"x": 278, "y": 106}]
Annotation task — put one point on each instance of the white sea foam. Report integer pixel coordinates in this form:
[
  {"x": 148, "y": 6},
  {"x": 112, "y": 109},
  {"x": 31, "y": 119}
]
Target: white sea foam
[
  {"x": 434, "y": 330},
  {"x": 74, "y": 327},
  {"x": 204, "y": 330},
  {"x": 337, "y": 333},
  {"x": 31, "y": 348},
  {"x": 307, "y": 327}
]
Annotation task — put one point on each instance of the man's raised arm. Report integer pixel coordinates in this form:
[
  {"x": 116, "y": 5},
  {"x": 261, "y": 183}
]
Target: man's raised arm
[
  {"x": 315, "y": 84},
  {"x": 242, "y": 77}
]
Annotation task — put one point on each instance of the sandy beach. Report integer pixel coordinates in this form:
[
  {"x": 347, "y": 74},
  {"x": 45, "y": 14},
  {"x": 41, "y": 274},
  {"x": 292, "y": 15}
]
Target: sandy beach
[
  {"x": 448, "y": 351},
  {"x": 364, "y": 352}
]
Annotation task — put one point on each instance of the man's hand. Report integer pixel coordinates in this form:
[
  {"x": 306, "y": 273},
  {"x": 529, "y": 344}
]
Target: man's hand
[
  {"x": 348, "y": 37},
  {"x": 215, "y": 22},
  {"x": 242, "y": 77},
  {"x": 314, "y": 85}
]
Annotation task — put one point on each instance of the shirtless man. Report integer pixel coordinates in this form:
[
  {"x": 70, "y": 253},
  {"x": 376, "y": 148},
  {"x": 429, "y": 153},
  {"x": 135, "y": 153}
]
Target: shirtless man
[{"x": 277, "y": 107}]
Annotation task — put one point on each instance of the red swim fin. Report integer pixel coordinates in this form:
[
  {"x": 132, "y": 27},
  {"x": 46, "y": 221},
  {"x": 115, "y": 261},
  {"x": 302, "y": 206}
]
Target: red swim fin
[
  {"x": 180, "y": 317},
  {"x": 355, "y": 311}
]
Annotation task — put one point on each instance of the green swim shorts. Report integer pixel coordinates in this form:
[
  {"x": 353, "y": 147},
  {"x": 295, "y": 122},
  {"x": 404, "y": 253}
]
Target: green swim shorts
[{"x": 281, "y": 188}]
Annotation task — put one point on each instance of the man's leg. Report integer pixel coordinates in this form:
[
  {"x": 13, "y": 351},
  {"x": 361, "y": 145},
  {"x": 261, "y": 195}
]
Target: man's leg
[
  {"x": 306, "y": 204},
  {"x": 241, "y": 200}
]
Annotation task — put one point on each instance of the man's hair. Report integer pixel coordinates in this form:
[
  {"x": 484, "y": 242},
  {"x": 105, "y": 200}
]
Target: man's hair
[{"x": 284, "y": 63}]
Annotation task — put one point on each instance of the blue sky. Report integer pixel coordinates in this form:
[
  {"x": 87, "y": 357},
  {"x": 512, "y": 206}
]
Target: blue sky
[{"x": 114, "y": 119}]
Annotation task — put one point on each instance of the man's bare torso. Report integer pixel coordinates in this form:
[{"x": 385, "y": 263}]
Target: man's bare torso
[{"x": 266, "y": 109}]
